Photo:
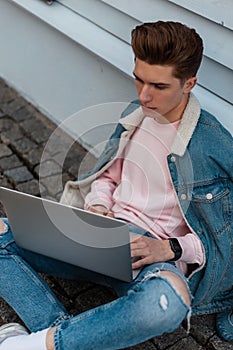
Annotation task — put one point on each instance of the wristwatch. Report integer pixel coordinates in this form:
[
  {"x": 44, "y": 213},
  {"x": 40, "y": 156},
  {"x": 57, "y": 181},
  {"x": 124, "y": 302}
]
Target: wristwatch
[{"x": 176, "y": 248}]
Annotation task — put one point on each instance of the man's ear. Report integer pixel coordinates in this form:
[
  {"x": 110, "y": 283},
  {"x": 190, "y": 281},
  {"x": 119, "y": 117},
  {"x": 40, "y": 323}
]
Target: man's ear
[{"x": 189, "y": 84}]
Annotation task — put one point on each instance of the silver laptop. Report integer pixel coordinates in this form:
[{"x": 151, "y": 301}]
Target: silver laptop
[{"x": 88, "y": 240}]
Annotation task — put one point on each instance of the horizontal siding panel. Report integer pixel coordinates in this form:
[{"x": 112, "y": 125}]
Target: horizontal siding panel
[
  {"x": 216, "y": 78},
  {"x": 47, "y": 65},
  {"x": 219, "y": 11},
  {"x": 104, "y": 27},
  {"x": 119, "y": 17},
  {"x": 218, "y": 39},
  {"x": 104, "y": 16},
  {"x": 82, "y": 31},
  {"x": 216, "y": 73}
]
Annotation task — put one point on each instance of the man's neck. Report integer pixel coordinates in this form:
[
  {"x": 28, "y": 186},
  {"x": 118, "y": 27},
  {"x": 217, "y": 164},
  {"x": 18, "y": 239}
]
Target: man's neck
[{"x": 177, "y": 113}]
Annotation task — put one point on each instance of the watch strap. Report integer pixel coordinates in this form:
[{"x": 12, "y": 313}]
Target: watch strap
[{"x": 176, "y": 248}]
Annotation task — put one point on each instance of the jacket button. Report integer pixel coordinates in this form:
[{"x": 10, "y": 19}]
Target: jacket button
[
  {"x": 209, "y": 196},
  {"x": 183, "y": 196},
  {"x": 173, "y": 159}
]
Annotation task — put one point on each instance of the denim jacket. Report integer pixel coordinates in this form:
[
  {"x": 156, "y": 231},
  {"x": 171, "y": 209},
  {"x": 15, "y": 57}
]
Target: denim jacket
[{"x": 201, "y": 169}]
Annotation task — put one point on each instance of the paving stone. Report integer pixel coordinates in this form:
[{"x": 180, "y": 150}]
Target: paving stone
[
  {"x": 75, "y": 161},
  {"x": 12, "y": 107},
  {"x": 10, "y": 162},
  {"x": 202, "y": 328},
  {"x": 186, "y": 344},
  {"x": 7, "y": 95},
  {"x": 31, "y": 125},
  {"x": 165, "y": 341},
  {"x": 92, "y": 298},
  {"x": 47, "y": 168},
  {"x": 5, "y": 124},
  {"x": 73, "y": 288},
  {"x": 4, "y": 150},
  {"x": 30, "y": 187},
  {"x": 217, "y": 344},
  {"x": 23, "y": 146},
  {"x": 2, "y": 84},
  {"x": 40, "y": 135},
  {"x": 2, "y": 211},
  {"x": 19, "y": 175},
  {"x": 8, "y": 314},
  {"x": 21, "y": 114},
  {"x": 53, "y": 185},
  {"x": 143, "y": 346},
  {"x": 21, "y": 102},
  {"x": 79, "y": 168},
  {"x": 4, "y": 181},
  {"x": 59, "y": 292},
  {"x": 34, "y": 156},
  {"x": 63, "y": 160},
  {"x": 11, "y": 135},
  {"x": 57, "y": 145}
]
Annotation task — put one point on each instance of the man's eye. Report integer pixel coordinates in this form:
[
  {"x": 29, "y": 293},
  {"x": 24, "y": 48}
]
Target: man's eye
[
  {"x": 139, "y": 80},
  {"x": 159, "y": 87}
]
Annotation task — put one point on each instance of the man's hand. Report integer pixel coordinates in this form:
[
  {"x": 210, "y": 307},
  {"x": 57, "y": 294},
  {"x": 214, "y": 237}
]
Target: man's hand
[
  {"x": 100, "y": 209},
  {"x": 149, "y": 251}
]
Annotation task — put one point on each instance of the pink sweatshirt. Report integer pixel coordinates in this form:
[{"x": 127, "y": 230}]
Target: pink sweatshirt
[{"x": 137, "y": 187}]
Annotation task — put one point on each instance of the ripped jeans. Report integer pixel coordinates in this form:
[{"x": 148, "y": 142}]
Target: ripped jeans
[{"x": 145, "y": 308}]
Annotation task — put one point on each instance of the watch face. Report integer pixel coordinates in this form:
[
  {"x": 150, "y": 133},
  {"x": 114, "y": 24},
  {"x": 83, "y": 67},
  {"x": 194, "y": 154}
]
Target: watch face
[{"x": 176, "y": 248}]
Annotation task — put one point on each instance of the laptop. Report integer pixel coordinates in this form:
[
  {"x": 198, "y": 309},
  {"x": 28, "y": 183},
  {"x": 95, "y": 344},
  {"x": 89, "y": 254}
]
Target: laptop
[{"x": 85, "y": 239}]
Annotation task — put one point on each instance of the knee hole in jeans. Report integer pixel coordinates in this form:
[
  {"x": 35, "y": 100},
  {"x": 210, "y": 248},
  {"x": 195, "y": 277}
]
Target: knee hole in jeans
[
  {"x": 3, "y": 227},
  {"x": 178, "y": 285}
]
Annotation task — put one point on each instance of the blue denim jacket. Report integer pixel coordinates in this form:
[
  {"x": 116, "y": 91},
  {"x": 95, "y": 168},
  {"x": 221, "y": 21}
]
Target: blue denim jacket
[{"x": 201, "y": 168}]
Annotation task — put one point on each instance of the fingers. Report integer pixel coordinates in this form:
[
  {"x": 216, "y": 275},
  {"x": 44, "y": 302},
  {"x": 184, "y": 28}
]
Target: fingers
[
  {"x": 138, "y": 242},
  {"x": 141, "y": 251},
  {"x": 138, "y": 252},
  {"x": 140, "y": 263},
  {"x": 137, "y": 245},
  {"x": 135, "y": 239},
  {"x": 100, "y": 209}
]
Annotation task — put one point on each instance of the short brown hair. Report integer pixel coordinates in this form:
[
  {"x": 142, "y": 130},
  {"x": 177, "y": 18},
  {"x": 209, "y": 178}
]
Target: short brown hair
[{"x": 169, "y": 43}]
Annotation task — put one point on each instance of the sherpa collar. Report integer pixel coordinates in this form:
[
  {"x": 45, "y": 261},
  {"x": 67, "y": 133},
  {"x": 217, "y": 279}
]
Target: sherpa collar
[{"x": 186, "y": 128}]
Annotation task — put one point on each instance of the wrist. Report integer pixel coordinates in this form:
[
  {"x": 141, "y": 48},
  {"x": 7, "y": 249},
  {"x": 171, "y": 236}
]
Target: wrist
[{"x": 169, "y": 255}]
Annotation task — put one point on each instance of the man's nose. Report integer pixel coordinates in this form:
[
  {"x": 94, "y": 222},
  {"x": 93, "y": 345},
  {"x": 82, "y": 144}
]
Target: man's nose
[{"x": 145, "y": 95}]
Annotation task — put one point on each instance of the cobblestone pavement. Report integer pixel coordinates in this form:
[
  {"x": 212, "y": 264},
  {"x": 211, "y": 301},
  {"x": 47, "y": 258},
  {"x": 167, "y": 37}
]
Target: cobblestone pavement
[{"x": 23, "y": 135}]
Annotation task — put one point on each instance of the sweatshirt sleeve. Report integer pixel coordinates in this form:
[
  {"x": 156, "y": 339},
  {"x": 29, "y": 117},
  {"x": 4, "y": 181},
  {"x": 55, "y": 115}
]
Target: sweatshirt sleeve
[
  {"x": 103, "y": 187},
  {"x": 192, "y": 249}
]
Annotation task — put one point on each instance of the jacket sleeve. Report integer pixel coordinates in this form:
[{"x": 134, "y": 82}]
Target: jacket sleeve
[{"x": 224, "y": 150}]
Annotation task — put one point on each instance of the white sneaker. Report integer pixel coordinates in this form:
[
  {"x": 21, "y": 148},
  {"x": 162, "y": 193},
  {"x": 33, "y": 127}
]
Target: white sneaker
[{"x": 11, "y": 330}]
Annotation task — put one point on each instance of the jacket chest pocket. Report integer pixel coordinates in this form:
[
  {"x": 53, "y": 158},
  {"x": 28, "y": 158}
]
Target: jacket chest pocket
[{"x": 213, "y": 204}]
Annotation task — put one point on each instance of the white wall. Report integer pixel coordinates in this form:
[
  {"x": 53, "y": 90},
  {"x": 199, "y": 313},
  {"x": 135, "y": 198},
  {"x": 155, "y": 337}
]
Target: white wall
[
  {"x": 54, "y": 70},
  {"x": 75, "y": 54}
]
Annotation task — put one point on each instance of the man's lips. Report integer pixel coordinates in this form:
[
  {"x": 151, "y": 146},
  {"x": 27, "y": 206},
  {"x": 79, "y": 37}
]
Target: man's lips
[
  {"x": 151, "y": 112},
  {"x": 149, "y": 108}
]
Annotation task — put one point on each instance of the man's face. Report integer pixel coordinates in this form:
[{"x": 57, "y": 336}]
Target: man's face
[{"x": 159, "y": 92}]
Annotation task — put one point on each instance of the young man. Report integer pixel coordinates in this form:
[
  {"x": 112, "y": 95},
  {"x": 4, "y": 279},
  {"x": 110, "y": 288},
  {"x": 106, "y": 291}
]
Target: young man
[{"x": 166, "y": 170}]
